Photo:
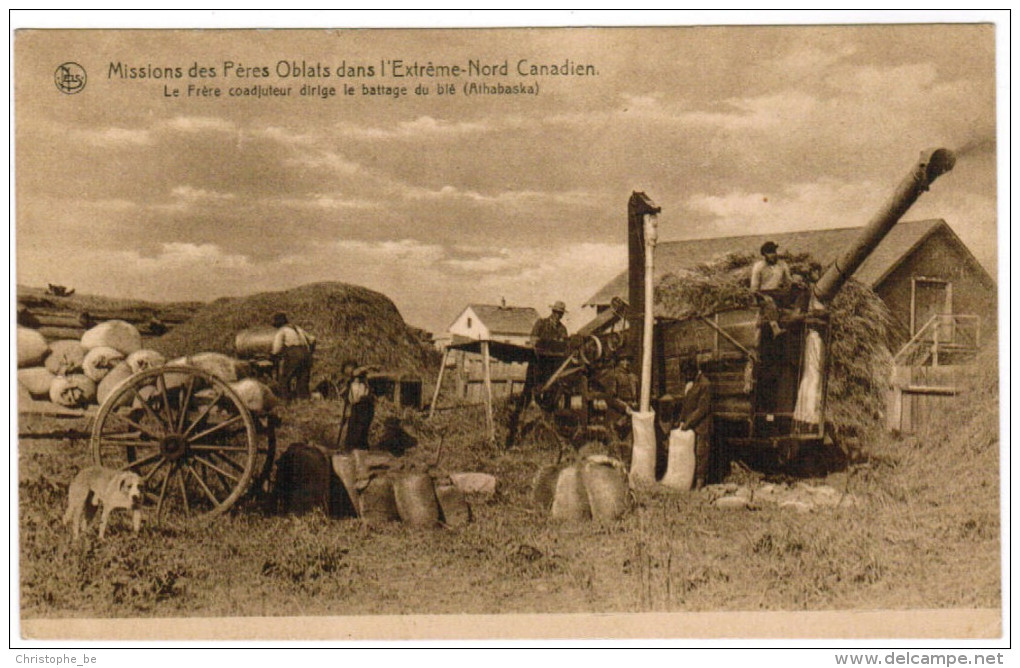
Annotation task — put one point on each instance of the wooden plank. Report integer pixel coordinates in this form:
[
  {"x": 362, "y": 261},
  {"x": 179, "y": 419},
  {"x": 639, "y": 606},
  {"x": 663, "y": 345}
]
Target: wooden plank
[
  {"x": 490, "y": 424},
  {"x": 439, "y": 383}
]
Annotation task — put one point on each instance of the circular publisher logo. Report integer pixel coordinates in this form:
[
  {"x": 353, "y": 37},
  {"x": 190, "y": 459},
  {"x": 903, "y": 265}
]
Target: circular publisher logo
[{"x": 70, "y": 78}]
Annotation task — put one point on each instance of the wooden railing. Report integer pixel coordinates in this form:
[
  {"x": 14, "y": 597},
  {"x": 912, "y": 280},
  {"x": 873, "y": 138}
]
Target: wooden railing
[{"x": 943, "y": 333}]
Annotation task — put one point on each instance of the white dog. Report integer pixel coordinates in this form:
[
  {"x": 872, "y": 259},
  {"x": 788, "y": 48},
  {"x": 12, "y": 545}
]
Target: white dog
[{"x": 99, "y": 485}]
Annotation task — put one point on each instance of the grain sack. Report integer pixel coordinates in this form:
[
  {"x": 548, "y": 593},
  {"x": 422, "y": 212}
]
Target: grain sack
[
  {"x": 144, "y": 359},
  {"x": 454, "y": 507},
  {"x": 375, "y": 500},
  {"x": 99, "y": 361},
  {"x": 605, "y": 481},
  {"x": 543, "y": 487},
  {"x": 681, "y": 463},
  {"x": 36, "y": 381},
  {"x": 571, "y": 501},
  {"x": 258, "y": 398},
  {"x": 254, "y": 342},
  {"x": 416, "y": 499},
  {"x": 642, "y": 463},
  {"x": 475, "y": 483},
  {"x": 66, "y": 357},
  {"x": 109, "y": 383},
  {"x": 215, "y": 364},
  {"x": 32, "y": 348},
  {"x": 345, "y": 468},
  {"x": 117, "y": 334},
  {"x": 72, "y": 391}
]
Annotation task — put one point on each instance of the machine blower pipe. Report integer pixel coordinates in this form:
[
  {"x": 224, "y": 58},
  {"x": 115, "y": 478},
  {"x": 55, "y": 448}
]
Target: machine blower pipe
[{"x": 933, "y": 163}]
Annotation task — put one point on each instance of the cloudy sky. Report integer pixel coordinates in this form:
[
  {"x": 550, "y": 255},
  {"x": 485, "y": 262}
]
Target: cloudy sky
[{"x": 438, "y": 201}]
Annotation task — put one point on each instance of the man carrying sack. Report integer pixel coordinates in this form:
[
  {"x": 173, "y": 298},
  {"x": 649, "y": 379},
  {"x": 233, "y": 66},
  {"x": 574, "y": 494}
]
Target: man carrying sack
[{"x": 293, "y": 349}]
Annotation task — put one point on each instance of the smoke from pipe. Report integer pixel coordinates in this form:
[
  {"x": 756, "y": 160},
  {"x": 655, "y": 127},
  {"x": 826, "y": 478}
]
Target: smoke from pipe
[{"x": 976, "y": 145}]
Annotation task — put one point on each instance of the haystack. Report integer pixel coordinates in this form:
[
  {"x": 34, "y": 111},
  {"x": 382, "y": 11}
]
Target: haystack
[
  {"x": 349, "y": 321},
  {"x": 859, "y": 358}
]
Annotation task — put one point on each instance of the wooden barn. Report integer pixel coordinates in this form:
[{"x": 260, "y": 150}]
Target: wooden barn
[{"x": 942, "y": 301}]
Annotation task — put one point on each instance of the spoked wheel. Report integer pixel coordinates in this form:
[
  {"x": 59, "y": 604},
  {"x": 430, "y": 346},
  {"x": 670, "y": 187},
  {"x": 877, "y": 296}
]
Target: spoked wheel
[{"x": 186, "y": 433}]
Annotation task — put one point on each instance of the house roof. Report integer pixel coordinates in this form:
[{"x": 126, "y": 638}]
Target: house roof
[
  {"x": 513, "y": 320},
  {"x": 823, "y": 245}
]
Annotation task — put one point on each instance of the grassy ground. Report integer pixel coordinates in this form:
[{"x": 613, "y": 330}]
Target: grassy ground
[{"x": 925, "y": 534}]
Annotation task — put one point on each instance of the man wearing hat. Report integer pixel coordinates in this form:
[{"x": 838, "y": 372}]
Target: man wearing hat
[
  {"x": 771, "y": 281},
  {"x": 293, "y": 348},
  {"x": 549, "y": 335}
]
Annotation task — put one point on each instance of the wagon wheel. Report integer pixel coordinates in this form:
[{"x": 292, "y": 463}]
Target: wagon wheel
[{"x": 186, "y": 433}]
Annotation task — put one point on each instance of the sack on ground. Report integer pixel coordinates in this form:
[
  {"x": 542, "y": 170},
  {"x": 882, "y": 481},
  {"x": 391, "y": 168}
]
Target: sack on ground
[
  {"x": 74, "y": 391},
  {"x": 256, "y": 397},
  {"x": 32, "y": 348},
  {"x": 66, "y": 357},
  {"x": 475, "y": 483},
  {"x": 99, "y": 361},
  {"x": 543, "y": 487},
  {"x": 605, "y": 482},
  {"x": 454, "y": 507},
  {"x": 109, "y": 383},
  {"x": 642, "y": 465},
  {"x": 117, "y": 334},
  {"x": 376, "y": 501},
  {"x": 215, "y": 364},
  {"x": 571, "y": 501},
  {"x": 36, "y": 380},
  {"x": 302, "y": 480},
  {"x": 416, "y": 499},
  {"x": 142, "y": 360},
  {"x": 681, "y": 463}
]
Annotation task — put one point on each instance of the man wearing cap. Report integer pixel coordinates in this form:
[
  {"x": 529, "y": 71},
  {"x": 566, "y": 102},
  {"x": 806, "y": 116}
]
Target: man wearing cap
[
  {"x": 696, "y": 416},
  {"x": 357, "y": 407},
  {"x": 293, "y": 348},
  {"x": 771, "y": 281}
]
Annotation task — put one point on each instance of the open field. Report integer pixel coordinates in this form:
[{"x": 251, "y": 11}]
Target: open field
[{"x": 923, "y": 534}]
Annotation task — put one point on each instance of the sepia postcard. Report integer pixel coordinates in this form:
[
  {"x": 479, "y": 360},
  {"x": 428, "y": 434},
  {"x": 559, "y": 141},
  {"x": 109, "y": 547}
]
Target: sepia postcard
[{"x": 578, "y": 333}]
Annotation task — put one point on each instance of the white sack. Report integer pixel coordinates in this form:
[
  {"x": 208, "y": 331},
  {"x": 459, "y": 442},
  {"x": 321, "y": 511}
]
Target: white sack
[
  {"x": 66, "y": 357},
  {"x": 99, "y": 361},
  {"x": 117, "y": 334},
  {"x": 681, "y": 462},
  {"x": 109, "y": 383},
  {"x": 642, "y": 462},
  {"x": 144, "y": 359},
  {"x": 72, "y": 391},
  {"x": 36, "y": 381},
  {"x": 258, "y": 398},
  {"x": 32, "y": 348}
]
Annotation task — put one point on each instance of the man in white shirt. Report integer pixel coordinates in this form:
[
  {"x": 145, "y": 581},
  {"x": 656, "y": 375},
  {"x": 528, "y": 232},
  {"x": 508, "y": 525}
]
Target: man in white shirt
[
  {"x": 771, "y": 281},
  {"x": 293, "y": 348}
]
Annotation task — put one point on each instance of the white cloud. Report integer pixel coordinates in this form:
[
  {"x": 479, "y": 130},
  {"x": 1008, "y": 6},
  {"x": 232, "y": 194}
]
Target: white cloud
[
  {"x": 191, "y": 194},
  {"x": 200, "y": 124},
  {"x": 114, "y": 137},
  {"x": 422, "y": 127}
]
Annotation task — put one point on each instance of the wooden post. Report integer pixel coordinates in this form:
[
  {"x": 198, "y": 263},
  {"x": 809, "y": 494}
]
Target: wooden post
[
  {"x": 488, "y": 391},
  {"x": 439, "y": 383}
]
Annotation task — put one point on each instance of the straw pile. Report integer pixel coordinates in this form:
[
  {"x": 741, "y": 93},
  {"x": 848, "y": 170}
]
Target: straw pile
[
  {"x": 350, "y": 322},
  {"x": 859, "y": 362}
]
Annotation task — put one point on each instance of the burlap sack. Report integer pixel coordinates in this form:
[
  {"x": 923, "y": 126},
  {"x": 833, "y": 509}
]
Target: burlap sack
[
  {"x": 681, "y": 462},
  {"x": 571, "y": 501},
  {"x": 416, "y": 499},
  {"x": 258, "y": 398},
  {"x": 32, "y": 348},
  {"x": 543, "y": 487},
  {"x": 605, "y": 482},
  {"x": 66, "y": 357},
  {"x": 110, "y": 381},
  {"x": 117, "y": 334},
  {"x": 72, "y": 391},
  {"x": 99, "y": 361},
  {"x": 140, "y": 360},
  {"x": 454, "y": 507},
  {"x": 36, "y": 380}
]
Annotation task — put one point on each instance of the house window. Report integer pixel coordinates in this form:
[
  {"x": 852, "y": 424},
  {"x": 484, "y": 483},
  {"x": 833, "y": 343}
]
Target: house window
[{"x": 469, "y": 322}]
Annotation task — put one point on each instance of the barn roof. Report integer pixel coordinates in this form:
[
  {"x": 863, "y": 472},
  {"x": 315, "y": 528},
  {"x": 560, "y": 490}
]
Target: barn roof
[
  {"x": 823, "y": 245},
  {"x": 506, "y": 319}
]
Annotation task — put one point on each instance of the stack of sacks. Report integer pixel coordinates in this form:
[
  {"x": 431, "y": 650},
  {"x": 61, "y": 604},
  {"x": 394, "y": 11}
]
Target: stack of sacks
[
  {"x": 386, "y": 489},
  {"x": 595, "y": 487}
]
